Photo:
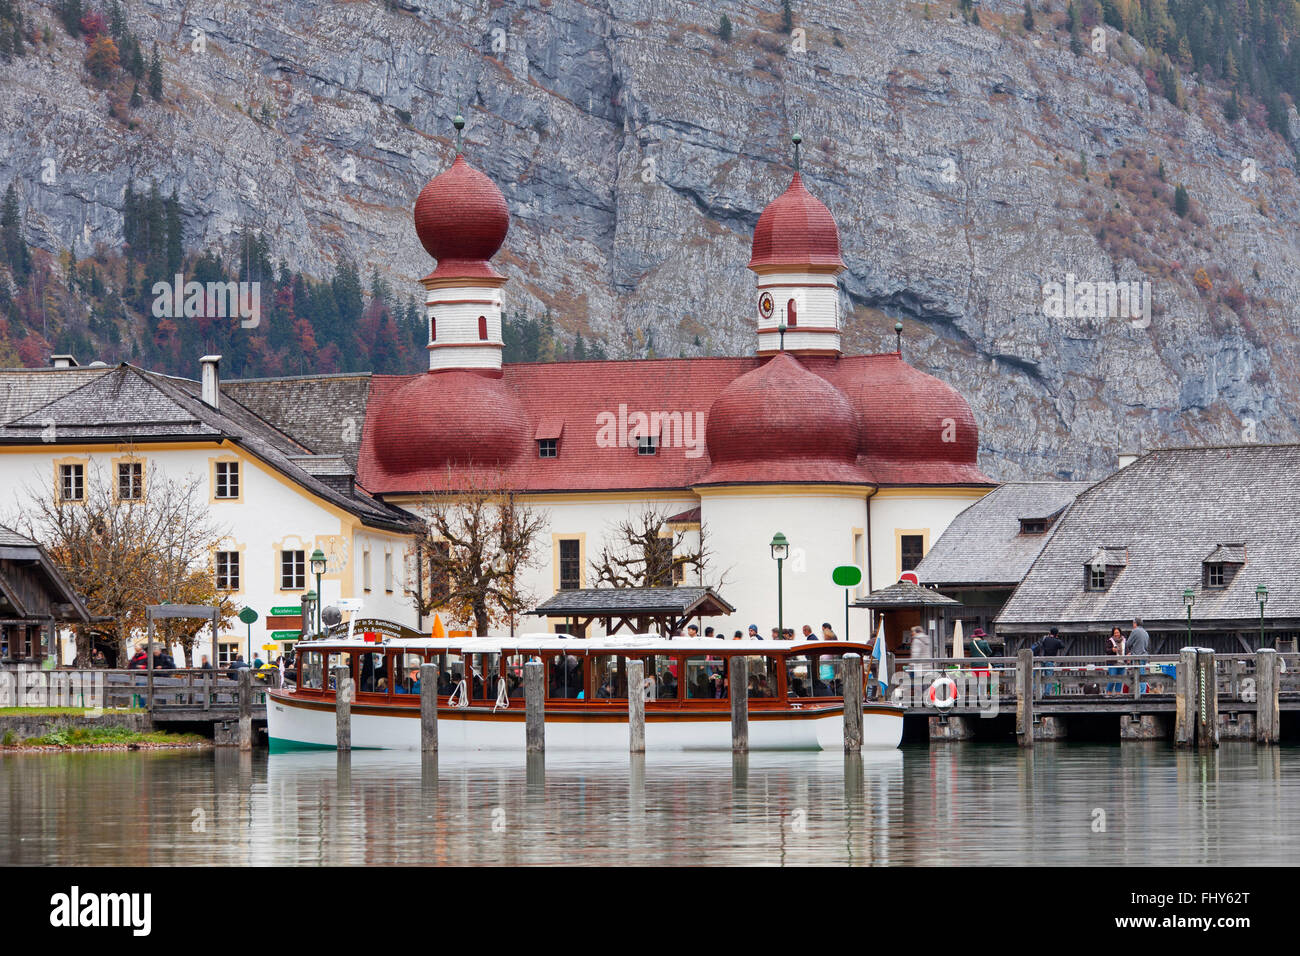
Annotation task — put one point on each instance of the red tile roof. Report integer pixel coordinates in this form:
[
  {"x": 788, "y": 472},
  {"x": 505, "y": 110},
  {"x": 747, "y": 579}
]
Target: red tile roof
[
  {"x": 455, "y": 424},
  {"x": 462, "y": 220},
  {"x": 796, "y": 229}
]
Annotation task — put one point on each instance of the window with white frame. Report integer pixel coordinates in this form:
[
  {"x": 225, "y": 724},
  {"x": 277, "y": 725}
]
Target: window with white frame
[
  {"x": 227, "y": 570},
  {"x": 130, "y": 480},
  {"x": 72, "y": 482},
  {"x": 227, "y": 480},
  {"x": 293, "y": 570}
]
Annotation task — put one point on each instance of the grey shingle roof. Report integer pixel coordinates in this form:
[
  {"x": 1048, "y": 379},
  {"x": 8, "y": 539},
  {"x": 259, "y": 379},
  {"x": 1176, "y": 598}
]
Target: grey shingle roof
[
  {"x": 23, "y": 390},
  {"x": 983, "y": 545},
  {"x": 1171, "y": 509},
  {"x": 129, "y": 404},
  {"x": 324, "y": 413},
  {"x": 903, "y": 594},
  {"x": 632, "y": 601}
]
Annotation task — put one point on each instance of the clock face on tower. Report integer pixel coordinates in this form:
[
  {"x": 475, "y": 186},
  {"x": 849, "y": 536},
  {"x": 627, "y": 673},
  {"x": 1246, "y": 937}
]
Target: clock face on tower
[{"x": 765, "y": 305}]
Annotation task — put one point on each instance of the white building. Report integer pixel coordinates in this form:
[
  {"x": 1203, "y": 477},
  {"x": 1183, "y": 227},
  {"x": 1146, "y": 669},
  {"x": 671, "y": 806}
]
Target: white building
[{"x": 63, "y": 428}]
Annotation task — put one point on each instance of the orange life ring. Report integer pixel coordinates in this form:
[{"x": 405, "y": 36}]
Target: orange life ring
[{"x": 943, "y": 703}]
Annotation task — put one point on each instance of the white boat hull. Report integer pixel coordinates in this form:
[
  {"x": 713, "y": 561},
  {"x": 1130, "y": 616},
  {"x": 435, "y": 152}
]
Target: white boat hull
[{"x": 292, "y": 725}]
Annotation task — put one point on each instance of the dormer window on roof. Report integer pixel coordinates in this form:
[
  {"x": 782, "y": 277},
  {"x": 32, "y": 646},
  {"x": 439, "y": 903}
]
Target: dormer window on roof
[
  {"x": 1103, "y": 567},
  {"x": 1040, "y": 525},
  {"x": 1221, "y": 565}
]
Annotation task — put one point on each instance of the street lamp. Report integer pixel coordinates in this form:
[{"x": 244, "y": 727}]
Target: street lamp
[
  {"x": 780, "y": 551},
  {"x": 309, "y": 613},
  {"x": 1189, "y": 598},
  {"x": 318, "y": 568},
  {"x": 1261, "y": 595}
]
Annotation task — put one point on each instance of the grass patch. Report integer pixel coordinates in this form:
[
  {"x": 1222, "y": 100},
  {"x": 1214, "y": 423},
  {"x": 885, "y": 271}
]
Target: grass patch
[{"x": 102, "y": 736}]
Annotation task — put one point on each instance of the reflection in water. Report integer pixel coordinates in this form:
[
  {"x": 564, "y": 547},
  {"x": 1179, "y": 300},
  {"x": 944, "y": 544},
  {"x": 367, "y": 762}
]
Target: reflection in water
[{"x": 1139, "y": 803}]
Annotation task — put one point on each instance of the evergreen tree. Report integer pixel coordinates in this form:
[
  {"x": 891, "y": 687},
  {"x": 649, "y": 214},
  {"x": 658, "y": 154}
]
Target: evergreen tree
[
  {"x": 70, "y": 13},
  {"x": 1182, "y": 202},
  {"x": 787, "y": 17},
  {"x": 136, "y": 100},
  {"x": 155, "y": 74},
  {"x": 724, "y": 28},
  {"x": 579, "y": 348},
  {"x": 175, "y": 235},
  {"x": 14, "y": 247},
  {"x": 1028, "y": 19}
]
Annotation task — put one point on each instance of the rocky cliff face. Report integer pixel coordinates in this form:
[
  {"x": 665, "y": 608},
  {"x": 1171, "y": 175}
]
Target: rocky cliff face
[{"x": 968, "y": 167}]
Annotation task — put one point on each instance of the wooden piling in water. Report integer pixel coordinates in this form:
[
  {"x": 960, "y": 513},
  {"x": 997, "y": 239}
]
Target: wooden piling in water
[
  {"x": 1025, "y": 698},
  {"x": 428, "y": 708},
  {"x": 343, "y": 708},
  {"x": 1185, "y": 699},
  {"x": 1208, "y": 694},
  {"x": 245, "y": 710},
  {"x": 1268, "y": 722},
  {"x": 636, "y": 705},
  {"x": 852, "y": 703},
  {"x": 534, "y": 708},
  {"x": 739, "y": 680}
]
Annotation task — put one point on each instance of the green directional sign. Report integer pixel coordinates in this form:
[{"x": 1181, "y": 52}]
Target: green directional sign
[
  {"x": 285, "y": 635},
  {"x": 847, "y": 576},
  {"x": 291, "y": 609}
]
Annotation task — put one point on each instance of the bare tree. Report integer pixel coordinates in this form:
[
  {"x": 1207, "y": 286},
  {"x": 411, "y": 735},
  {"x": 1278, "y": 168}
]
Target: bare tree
[
  {"x": 123, "y": 554},
  {"x": 477, "y": 539},
  {"x": 643, "y": 551}
]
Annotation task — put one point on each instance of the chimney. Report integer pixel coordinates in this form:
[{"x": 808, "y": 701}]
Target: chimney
[
  {"x": 63, "y": 361},
  {"x": 211, "y": 380}
]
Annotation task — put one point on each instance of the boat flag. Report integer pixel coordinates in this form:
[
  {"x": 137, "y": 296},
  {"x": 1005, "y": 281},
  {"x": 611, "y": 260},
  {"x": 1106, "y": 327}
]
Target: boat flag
[
  {"x": 878, "y": 652},
  {"x": 437, "y": 630}
]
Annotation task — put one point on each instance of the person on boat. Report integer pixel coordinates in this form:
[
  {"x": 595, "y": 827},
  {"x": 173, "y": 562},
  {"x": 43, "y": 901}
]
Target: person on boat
[
  {"x": 413, "y": 678},
  {"x": 828, "y": 633},
  {"x": 444, "y": 682},
  {"x": 668, "y": 684},
  {"x": 514, "y": 686},
  {"x": 797, "y": 688}
]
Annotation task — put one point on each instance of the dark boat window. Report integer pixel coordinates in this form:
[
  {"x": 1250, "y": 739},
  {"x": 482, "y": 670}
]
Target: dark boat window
[
  {"x": 610, "y": 677},
  {"x": 665, "y": 673},
  {"x": 372, "y": 674},
  {"x": 762, "y": 676},
  {"x": 313, "y": 668},
  {"x": 827, "y": 675},
  {"x": 568, "y": 677},
  {"x": 706, "y": 678}
]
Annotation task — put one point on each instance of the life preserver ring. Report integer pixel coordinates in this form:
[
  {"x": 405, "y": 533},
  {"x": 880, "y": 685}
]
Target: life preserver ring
[{"x": 943, "y": 703}]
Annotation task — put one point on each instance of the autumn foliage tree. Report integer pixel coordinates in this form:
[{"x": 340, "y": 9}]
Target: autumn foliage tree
[
  {"x": 101, "y": 58},
  {"x": 123, "y": 555}
]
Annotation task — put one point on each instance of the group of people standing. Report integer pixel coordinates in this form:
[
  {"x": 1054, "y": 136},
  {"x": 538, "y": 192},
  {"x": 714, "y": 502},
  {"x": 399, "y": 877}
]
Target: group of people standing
[{"x": 778, "y": 634}]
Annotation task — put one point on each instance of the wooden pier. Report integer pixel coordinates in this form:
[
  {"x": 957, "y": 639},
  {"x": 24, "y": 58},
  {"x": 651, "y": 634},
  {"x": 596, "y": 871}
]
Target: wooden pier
[
  {"x": 1195, "y": 698},
  {"x": 201, "y": 699}
]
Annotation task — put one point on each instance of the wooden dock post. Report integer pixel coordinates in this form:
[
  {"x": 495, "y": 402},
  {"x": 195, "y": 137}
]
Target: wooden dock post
[
  {"x": 852, "y": 703},
  {"x": 534, "y": 708},
  {"x": 245, "y": 710},
  {"x": 428, "y": 708},
  {"x": 1268, "y": 723},
  {"x": 739, "y": 682},
  {"x": 635, "y": 705},
  {"x": 1208, "y": 693},
  {"x": 1025, "y": 698},
  {"x": 343, "y": 707},
  {"x": 1185, "y": 699}
]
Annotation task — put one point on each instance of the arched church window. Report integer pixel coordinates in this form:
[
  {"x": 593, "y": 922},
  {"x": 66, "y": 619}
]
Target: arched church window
[
  {"x": 791, "y": 314},
  {"x": 482, "y": 328}
]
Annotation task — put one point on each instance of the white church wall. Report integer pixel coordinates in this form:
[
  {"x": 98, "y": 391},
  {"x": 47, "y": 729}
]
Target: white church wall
[{"x": 904, "y": 511}]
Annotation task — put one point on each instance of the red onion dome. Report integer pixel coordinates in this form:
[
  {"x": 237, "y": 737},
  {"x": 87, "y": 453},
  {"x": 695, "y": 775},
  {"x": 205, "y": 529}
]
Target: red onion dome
[
  {"x": 462, "y": 220},
  {"x": 909, "y": 416},
  {"x": 781, "y": 422},
  {"x": 453, "y": 418},
  {"x": 796, "y": 229}
]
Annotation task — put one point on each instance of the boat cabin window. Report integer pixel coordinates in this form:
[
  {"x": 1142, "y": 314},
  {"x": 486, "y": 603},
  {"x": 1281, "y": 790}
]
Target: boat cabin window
[
  {"x": 762, "y": 676},
  {"x": 405, "y": 669},
  {"x": 664, "y": 672},
  {"x": 610, "y": 676},
  {"x": 483, "y": 676},
  {"x": 567, "y": 677},
  {"x": 334, "y": 659},
  {"x": 798, "y": 677},
  {"x": 453, "y": 666},
  {"x": 828, "y": 675},
  {"x": 512, "y": 669},
  {"x": 313, "y": 667},
  {"x": 372, "y": 673},
  {"x": 706, "y": 678}
]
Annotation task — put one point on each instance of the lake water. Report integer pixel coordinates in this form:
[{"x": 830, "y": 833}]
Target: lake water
[{"x": 984, "y": 804}]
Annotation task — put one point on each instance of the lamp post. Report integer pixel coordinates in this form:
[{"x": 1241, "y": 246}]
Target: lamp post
[
  {"x": 1189, "y": 598},
  {"x": 318, "y": 568},
  {"x": 1261, "y": 595},
  {"x": 780, "y": 551},
  {"x": 309, "y": 603}
]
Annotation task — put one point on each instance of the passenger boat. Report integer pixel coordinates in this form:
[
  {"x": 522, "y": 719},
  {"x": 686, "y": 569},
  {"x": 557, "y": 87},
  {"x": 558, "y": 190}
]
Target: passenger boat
[{"x": 795, "y": 693}]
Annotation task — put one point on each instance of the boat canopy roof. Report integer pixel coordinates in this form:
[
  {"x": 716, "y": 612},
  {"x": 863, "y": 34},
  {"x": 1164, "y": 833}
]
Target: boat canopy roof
[{"x": 627, "y": 644}]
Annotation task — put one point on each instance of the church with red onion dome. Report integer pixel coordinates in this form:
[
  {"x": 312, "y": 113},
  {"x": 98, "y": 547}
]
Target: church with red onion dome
[{"x": 856, "y": 459}]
